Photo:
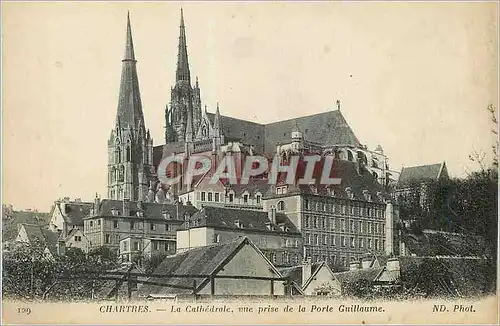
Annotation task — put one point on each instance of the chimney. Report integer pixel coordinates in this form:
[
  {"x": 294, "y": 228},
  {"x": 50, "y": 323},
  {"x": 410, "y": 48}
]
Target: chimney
[
  {"x": 97, "y": 202},
  {"x": 389, "y": 229},
  {"x": 126, "y": 207},
  {"x": 354, "y": 265},
  {"x": 306, "y": 270},
  {"x": 61, "y": 248},
  {"x": 272, "y": 214}
]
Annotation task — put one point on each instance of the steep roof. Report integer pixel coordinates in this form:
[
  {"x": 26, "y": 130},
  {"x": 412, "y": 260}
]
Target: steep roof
[
  {"x": 422, "y": 173},
  {"x": 252, "y": 220},
  {"x": 327, "y": 128},
  {"x": 37, "y": 233},
  {"x": 74, "y": 212},
  {"x": 150, "y": 210},
  {"x": 294, "y": 273},
  {"x": 199, "y": 261},
  {"x": 11, "y": 222}
]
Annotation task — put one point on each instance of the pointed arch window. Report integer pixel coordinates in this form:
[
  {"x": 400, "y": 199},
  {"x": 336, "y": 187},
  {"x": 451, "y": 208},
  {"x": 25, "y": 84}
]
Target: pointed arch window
[
  {"x": 128, "y": 153},
  {"x": 118, "y": 155},
  {"x": 121, "y": 174}
]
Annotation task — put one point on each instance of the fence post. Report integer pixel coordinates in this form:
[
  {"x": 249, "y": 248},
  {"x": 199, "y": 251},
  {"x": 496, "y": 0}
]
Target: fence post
[
  {"x": 194, "y": 287},
  {"x": 272, "y": 287},
  {"x": 129, "y": 286},
  {"x": 212, "y": 285}
]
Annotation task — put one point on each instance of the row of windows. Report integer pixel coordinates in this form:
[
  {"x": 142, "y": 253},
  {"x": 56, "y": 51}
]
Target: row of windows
[
  {"x": 155, "y": 245},
  {"x": 317, "y": 239},
  {"x": 286, "y": 257},
  {"x": 133, "y": 225},
  {"x": 320, "y": 222},
  {"x": 332, "y": 259},
  {"x": 343, "y": 209},
  {"x": 219, "y": 197}
]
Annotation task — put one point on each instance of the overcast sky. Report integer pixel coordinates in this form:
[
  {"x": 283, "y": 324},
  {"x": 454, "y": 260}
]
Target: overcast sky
[{"x": 413, "y": 77}]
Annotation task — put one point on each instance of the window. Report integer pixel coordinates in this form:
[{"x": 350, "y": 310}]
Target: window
[
  {"x": 91, "y": 223},
  {"x": 107, "y": 239},
  {"x": 115, "y": 224},
  {"x": 296, "y": 243},
  {"x": 369, "y": 243},
  {"x": 286, "y": 257},
  {"x": 210, "y": 196},
  {"x": 306, "y": 204},
  {"x": 353, "y": 242},
  {"x": 383, "y": 244},
  {"x": 78, "y": 238},
  {"x": 156, "y": 245},
  {"x": 315, "y": 221},
  {"x": 125, "y": 246},
  {"x": 258, "y": 199},
  {"x": 361, "y": 242},
  {"x": 332, "y": 224},
  {"x": 281, "y": 205},
  {"x": 167, "y": 227},
  {"x": 132, "y": 225},
  {"x": 316, "y": 239},
  {"x": 342, "y": 239},
  {"x": 351, "y": 209},
  {"x": 217, "y": 197},
  {"x": 231, "y": 198},
  {"x": 360, "y": 226},
  {"x": 352, "y": 226},
  {"x": 137, "y": 246},
  {"x": 376, "y": 244},
  {"x": 203, "y": 196},
  {"x": 306, "y": 221},
  {"x": 152, "y": 226},
  {"x": 308, "y": 238},
  {"x": 325, "y": 240},
  {"x": 343, "y": 209},
  {"x": 245, "y": 199},
  {"x": 332, "y": 240},
  {"x": 99, "y": 222},
  {"x": 272, "y": 257},
  {"x": 216, "y": 238},
  {"x": 342, "y": 225}
]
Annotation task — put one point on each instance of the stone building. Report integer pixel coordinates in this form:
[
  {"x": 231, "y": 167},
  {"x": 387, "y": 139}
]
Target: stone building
[
  {"x": 111, "y": 221},
  {"x": 273, "y": 233}
]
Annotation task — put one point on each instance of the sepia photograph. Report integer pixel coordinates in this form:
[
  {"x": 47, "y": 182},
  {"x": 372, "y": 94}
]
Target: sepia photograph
[{"x": 249, "y": 162}]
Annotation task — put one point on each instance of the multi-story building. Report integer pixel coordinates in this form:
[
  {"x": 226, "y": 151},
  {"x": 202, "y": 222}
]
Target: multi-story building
[
  {"x": 111, "y": 221},
  {"x": 67, "y": 215},
  {"x": 339, "y": 223},
  {"x": 135, "y": 247},
  {"x": 273, "y": 233}
]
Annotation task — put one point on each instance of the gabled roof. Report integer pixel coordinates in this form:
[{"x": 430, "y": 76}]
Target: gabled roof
[
  {"x": 208, "y": 260},
  {"x": 327, "y": 128},
  {"x": 422, "y": 173},
  {"x": 369, "y": 274},
  {"x": 294, "y": 273},
  {"x": 74, "y": 212},
  {"x": 45, "y": 237},
  {"x": 15, "y": 218},
  {"x": 252, "y": 220},
  {"x": 150, "y": 210}
]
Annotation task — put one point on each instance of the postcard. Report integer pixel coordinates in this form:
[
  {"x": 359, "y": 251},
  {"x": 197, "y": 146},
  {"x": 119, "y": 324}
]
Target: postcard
[{"x": 249, "y": 163}]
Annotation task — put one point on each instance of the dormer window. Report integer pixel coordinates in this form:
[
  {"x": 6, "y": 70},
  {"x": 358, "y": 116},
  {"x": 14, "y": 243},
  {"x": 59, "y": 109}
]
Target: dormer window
[
  {"x": 349, "y": 192},
  {"x": 269, "y": 226},
  {"x": 238, "y": 224},
  {"x": 166, "y": 215},
  {"x": 114, "y": 212},
  {"x": 140, "y": 214},
  {"x": 367, "y": 195}
]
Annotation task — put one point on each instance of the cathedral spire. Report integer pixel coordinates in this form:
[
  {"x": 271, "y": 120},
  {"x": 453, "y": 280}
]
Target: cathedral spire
[
  {"x": 217, "y": 118},
  {"x": 129, "y": 100},
  {"x": 182, "y": 73}
]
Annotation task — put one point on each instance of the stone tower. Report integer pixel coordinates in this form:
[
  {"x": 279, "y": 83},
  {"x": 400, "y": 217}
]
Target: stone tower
[
  {"x": 184, "y": 99},
  {"x": 130, "y": 147}
]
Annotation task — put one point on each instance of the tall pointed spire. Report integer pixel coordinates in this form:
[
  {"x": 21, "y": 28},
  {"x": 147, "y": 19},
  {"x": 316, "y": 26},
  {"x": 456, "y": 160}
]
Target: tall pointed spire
[
  {"x": 182, "y": 73},
  {"x": 129, "y": 46},
  {"x": 189, "y": 127},
  {"x": 129, "y": 100},
  {"x": 217, "y": 118}
]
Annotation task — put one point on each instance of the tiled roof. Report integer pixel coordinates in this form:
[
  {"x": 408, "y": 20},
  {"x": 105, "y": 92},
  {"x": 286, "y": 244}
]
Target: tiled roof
[
  {"x": 368, "y": 274},
  {"x": 351, "y": 177},
  {"x": 294, "y": 273},
  {"x": 74, "y": 212},
  {"x": 10, "y": 223},
  {"x": 419, "y": 174},
  {"x": 199, "y": 261},
  {"x": 37, "y": 233},
  {"x": 150, "y": 210},
  {"x": 221, "y": 217},
  {"x": 247, "y": 132},
  {"x": 327, "y": 128}
]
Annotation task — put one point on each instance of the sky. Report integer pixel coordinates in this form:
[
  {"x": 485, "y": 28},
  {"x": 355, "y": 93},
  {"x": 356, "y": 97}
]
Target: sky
[{"x": 414, "y": 77}]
